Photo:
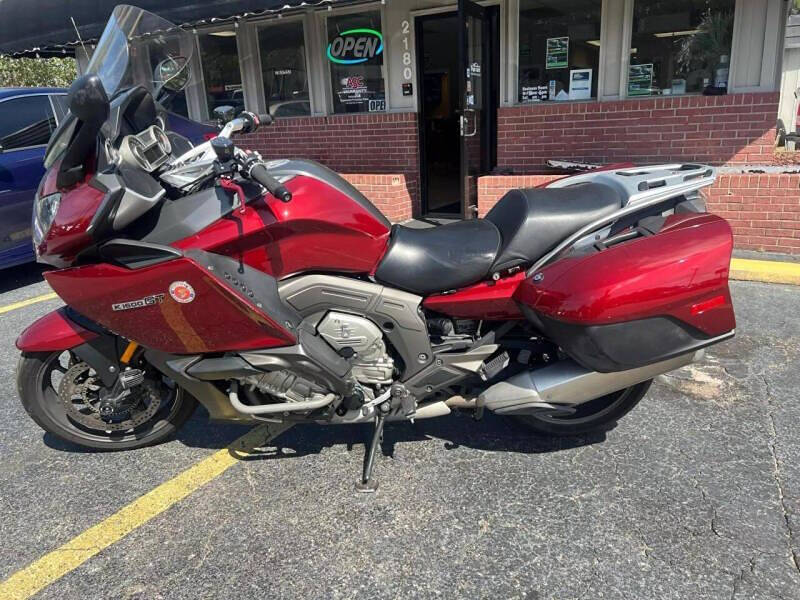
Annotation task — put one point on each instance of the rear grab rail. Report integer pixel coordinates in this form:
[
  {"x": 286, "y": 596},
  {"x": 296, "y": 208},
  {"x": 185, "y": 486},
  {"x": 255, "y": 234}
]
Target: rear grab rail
[{"x": 690, "y": 180}]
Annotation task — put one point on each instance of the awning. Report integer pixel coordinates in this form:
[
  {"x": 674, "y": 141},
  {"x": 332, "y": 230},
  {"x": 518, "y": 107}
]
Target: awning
[{"x": 44, "y": 27}]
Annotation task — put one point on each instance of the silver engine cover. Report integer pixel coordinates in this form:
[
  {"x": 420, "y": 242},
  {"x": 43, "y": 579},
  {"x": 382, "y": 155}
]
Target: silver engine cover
[{"x": 370, "y": 362}]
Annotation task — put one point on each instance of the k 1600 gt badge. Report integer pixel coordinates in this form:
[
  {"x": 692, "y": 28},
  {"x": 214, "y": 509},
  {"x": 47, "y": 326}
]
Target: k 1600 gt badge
[
  {"x": 140, "y": 303},
  {"x": 181, "y": 292}
]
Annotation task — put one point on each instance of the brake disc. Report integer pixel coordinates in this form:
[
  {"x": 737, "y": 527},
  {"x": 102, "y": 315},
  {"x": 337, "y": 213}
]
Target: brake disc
[{"x": 80, "y": 391}]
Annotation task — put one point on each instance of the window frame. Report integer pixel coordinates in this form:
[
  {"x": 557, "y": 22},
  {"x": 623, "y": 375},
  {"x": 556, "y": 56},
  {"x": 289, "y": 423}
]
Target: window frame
[
  {"x": 257, "y": 25},
  {"x": 628, "y": 44},
  {"x": 52, "y": 110},
  {"x": 616, "y": 40},
  {"x": 201, "y": 103},
  {"x": 512, "y": 76},
  {"x": 323, "y": 32}
]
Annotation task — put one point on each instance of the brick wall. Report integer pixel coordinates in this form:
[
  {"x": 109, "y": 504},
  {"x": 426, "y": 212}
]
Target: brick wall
[
  {"x": 732, "y": 129},
  {"x": 393, "y": 194},
  {"x": 763, "y": 209},
  {"x": 356, "y": 144}
]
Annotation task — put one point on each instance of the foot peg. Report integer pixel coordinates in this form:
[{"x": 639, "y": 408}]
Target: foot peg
[
  {"x": 368, "y": 485},
  {"x": 491, "y": 368}
]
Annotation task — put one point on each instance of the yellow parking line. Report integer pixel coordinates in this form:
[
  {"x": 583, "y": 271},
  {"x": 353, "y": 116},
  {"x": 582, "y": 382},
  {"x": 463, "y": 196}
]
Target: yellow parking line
[
  {"x": 54, "y": 565},
  {"x": 768, "y": 271},
  {"x": 28, "y": 302}
]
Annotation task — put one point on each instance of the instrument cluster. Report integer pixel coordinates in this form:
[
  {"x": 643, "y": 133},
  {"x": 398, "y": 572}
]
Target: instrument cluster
[{"x": 147, "y": 150}]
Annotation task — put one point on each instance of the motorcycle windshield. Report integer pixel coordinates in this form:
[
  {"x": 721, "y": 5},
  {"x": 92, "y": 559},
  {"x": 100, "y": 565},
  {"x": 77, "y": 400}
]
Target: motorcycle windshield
[{"x": 138, "y": 48}]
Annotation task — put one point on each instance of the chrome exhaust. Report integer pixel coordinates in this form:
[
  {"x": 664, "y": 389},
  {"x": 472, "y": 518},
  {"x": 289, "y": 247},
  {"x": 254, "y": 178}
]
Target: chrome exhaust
[{"x": 567, "y": 384}]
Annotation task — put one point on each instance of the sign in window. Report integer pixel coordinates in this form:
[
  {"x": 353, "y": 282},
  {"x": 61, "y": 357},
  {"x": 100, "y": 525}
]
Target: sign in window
[
  {"x": 355, "y": 56},
  {"x": 680, "y": 47},
  {"x": 559, "y": 50}
]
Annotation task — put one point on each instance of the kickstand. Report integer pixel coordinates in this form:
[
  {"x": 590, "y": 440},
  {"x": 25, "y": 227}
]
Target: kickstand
[{"x": 367, "y": 484}]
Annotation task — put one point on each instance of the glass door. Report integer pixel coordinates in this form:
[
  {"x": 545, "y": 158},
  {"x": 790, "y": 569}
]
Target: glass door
[{"x": 473, "y": 94}]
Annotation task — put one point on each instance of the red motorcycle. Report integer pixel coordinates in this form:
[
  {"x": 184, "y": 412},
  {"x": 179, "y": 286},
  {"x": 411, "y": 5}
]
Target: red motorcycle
[{"x": 275, "y": 291}]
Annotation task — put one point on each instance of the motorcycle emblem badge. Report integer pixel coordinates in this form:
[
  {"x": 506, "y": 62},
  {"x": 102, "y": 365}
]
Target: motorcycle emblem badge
[
  {"x": 181, "y": 292},
  {"x": 140, "y": 303}
]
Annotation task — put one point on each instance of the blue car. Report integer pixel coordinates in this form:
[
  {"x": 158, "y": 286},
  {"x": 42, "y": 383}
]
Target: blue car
[{"x": 27, "y": 118}]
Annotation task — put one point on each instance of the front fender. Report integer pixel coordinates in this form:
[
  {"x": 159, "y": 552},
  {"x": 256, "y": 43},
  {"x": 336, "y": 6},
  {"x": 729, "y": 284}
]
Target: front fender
[{"x": 54, "y": 331}]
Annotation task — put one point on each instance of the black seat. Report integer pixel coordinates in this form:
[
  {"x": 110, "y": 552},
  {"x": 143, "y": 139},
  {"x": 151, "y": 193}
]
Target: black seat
[
  {"x": 521, "y": 228},
  {"x": 533, "y": 221},
  {"x": 424, "y": 261}
]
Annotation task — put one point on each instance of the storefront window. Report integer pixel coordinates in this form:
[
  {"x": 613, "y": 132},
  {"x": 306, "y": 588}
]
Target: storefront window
[
  {"x": 680, "y": 47},
  {"x": 355, "y": 56},
  {"x": 221, "y": 74},
  {"x": 283, "y": 67},
  {"x": 559, "y": 49}
]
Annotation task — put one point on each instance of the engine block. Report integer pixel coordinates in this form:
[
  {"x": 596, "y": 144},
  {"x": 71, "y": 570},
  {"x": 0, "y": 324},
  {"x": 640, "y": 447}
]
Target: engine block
[{"x": 360, "y": 341}]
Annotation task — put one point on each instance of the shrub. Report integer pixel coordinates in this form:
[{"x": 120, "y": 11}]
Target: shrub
[{"x": 36, "y": 72}]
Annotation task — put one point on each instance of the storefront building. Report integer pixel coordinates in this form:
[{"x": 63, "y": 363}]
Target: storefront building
[{"x": 436, "y": 108}]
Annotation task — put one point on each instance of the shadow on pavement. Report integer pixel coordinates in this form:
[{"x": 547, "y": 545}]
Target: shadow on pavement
[
  {"x": 493, "y": 433},
  {"x": 21, "y": 276}
]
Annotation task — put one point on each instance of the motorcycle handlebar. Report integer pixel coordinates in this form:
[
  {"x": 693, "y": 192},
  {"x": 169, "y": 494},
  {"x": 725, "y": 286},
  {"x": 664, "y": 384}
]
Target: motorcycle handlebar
[{"x": 258, "y": 172}]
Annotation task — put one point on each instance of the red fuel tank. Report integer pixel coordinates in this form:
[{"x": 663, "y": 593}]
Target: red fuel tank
[
  {"x": 328, "y": 226},
  {"x": 641, "y": 301}
]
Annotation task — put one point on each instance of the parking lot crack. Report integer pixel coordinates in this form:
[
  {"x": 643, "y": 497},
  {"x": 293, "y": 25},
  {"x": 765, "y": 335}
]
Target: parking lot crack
[
  {"x": 776, "y": 474},
  {"x": 737, "y": 581}
]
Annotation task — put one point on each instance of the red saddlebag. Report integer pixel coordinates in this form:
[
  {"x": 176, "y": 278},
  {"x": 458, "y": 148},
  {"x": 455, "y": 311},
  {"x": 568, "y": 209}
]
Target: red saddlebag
[{"x": 641, "y": 301}]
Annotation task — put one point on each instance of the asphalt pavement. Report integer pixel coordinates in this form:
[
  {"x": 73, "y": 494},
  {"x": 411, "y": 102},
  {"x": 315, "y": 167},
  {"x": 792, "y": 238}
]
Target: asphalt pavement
[{"x": 696, "y": 494}]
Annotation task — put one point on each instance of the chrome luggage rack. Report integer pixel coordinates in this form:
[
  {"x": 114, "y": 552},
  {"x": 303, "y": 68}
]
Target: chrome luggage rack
[{"x": 639, "y": 188}]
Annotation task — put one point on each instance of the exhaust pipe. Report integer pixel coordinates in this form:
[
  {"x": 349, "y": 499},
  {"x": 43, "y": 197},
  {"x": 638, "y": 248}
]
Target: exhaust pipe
[{"x": 567, "y": 384}]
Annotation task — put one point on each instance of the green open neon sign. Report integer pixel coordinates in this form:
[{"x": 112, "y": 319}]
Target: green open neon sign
[{"x": 355, "y": 46}]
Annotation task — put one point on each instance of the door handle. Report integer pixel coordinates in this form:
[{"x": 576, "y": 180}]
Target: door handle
[{"x": 464, "y": 123}]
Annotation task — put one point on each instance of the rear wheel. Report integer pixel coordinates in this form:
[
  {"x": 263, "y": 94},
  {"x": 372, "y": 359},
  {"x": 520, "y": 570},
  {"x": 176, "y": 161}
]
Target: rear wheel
[
  {"x": 65, "y": 398},
  {"x": 600, "y": 414}
]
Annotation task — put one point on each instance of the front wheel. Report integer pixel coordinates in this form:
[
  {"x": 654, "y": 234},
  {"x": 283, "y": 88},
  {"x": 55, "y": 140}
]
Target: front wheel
[
  {"x": 600, "y": 414},
  {"x": 64, "y": 396}
]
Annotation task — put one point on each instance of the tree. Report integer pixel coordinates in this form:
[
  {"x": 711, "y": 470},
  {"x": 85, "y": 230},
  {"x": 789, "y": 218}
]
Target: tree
[
  {"x": 36, "y": 72},
  {"x": 712, "y": 40}
]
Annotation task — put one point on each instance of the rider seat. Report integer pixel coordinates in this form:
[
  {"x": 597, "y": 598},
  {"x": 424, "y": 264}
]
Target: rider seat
[{"x": 522, "y": 227}]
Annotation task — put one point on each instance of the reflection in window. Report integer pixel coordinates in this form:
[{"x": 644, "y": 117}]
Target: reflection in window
[
  {"x": 559, "y": 49},
  {"x": 680, "y": 47},
  {"x": 26, "y": 122},
  {"x": 223, "y": 79},
  {"x": 283, "y": 67},
  {"x": 355, "y": 56}
]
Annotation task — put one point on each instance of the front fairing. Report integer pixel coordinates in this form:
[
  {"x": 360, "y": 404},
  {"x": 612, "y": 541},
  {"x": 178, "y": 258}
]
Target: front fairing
[{"x": 70, "y": 231}]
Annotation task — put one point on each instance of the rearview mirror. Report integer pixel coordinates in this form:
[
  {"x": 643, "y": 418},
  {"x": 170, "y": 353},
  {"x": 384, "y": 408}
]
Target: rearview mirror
[
  {"x": 88, "y": 100},
  {"x": 88, "y": 103},
  {"x": 172, "y": 74},
  {"x": 224, "y": 114}
]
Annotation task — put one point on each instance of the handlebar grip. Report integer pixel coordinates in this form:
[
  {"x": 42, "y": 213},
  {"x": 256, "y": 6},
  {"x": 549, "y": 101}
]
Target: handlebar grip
[{"x": 258, "y": 172}]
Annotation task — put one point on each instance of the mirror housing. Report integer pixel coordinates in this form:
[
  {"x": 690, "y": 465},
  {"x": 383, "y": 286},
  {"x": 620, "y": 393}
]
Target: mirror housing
[
  {"x": 224, "y": 114},
  {"x": 88, "y": 103},
  {"x": 88, "y": 100}
]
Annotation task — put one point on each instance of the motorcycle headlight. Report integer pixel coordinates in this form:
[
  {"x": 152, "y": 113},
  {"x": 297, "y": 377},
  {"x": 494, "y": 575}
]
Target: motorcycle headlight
[{"x": 44, "y": 213}]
